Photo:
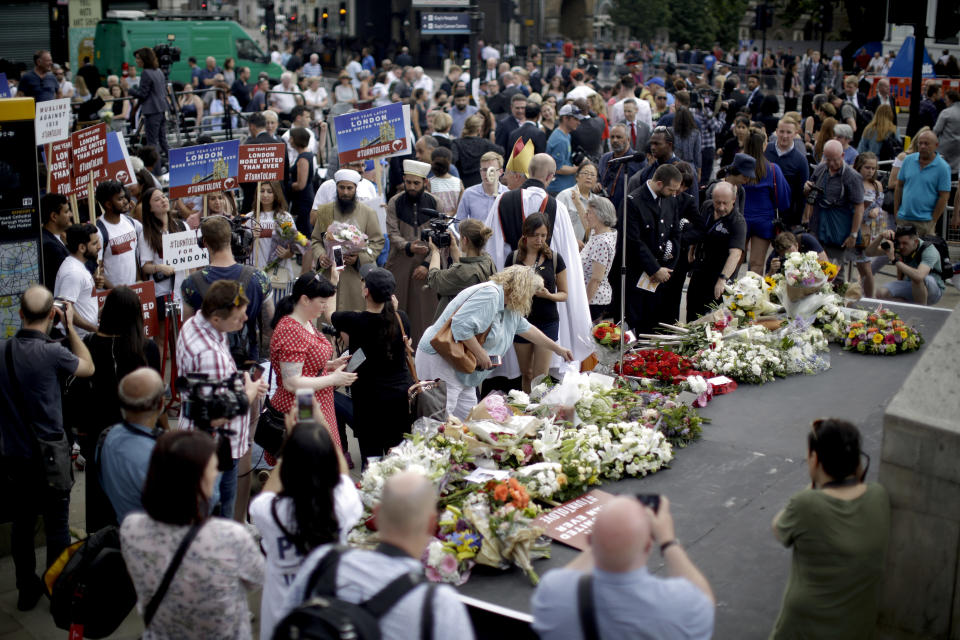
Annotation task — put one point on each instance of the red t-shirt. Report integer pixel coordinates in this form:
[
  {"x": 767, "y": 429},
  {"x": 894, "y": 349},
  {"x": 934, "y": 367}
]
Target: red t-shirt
[{"x": 292, "y": 342}]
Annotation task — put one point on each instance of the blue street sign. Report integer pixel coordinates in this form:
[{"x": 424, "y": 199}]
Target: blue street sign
[{"x": 445, "y": 23}]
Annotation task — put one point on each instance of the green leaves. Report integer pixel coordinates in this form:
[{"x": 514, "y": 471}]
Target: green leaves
[{"x": 693, "y": 22}]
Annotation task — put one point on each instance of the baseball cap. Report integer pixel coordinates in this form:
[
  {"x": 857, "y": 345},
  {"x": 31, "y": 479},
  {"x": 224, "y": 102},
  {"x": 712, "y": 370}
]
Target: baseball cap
[
  {"x": 569, "y": 110},
  {"x": 745, "y": 165},
  {"x": 379, "y": 282}
]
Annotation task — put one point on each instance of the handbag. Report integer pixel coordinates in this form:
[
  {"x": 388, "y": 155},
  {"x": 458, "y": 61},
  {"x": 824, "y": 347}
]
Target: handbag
[
  {"x": 271, "y": 426},
  {"x": 428, "y": 399},
  {"x": 458, "y": 356},
  {"x": 161, "y": 591},
  {"x": 407, "y": 349},
  {"x": 54, "y": 453}
]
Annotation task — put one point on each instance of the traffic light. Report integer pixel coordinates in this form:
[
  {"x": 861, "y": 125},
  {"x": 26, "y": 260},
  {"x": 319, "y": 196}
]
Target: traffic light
[
  {"x": 764, "y": 17},
  {"x": 203, "y": 6},
  {"x": 343, "y": 14},
  {"x": 325, "y": 17},
  {"x": 825, "y": 17},
  {"x": 293, "y": 18}
]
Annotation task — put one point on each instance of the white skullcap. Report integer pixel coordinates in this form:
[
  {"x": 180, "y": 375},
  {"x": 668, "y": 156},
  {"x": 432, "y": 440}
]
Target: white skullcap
[
  {"x": 348, "y": 175},
  {"x": 416, "y": 168}
]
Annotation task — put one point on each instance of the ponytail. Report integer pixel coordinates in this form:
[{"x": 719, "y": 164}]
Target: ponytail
[
  {"x": 390, "y": 327},
  {"x": 284, "y": 308}
]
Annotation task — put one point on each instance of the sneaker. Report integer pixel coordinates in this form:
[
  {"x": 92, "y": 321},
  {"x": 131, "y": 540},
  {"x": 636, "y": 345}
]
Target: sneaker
[{"x": 30, "y": 595}]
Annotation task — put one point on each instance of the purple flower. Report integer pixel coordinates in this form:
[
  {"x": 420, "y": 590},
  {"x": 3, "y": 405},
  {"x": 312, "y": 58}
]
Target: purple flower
[{"x": 449, "y": 564}]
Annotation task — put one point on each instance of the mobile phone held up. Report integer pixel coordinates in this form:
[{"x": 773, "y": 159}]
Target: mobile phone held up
[
  {"x": 304, "y": 404},
  {"x": 337, "y": 257},
  {"x": 496, "y": 360},
  {"x": 256, "y": 372},
  {"x": 651, "y": 500}
]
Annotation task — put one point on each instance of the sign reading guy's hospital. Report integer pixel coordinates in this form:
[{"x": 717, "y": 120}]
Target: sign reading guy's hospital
[
  {"x": 204, "y": 168},
  {"x": 373, "y": 133}
]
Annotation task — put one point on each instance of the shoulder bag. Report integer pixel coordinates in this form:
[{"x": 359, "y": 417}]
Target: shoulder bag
[
  {"x": 54, "y": 454},
  {"x": 456, "y": 355},
  {"x": 271, "y": 426},
  {"x": 427, "y": 399},
  {"x": 154, "y": 604}
]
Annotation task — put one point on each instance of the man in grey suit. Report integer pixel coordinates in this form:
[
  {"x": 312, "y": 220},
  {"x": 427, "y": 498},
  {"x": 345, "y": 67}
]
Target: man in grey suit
[{"x": 152, "y": 95}]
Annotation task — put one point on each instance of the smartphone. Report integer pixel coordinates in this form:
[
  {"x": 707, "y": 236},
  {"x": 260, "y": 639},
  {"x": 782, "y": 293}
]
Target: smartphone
[
  {"x": 256, "y": 372},
  {"x": 338, "y": 257},
  {"x": 496, "y": 360},
  {"x": 651, "y": 500},
  {"x": 356, "y": 360},
  {"x": 304, "y": 404}
]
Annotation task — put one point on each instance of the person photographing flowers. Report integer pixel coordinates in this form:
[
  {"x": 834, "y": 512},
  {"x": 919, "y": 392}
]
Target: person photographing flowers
[
  {"x": 842, "y": 518},
  {"x": 483, "y": 318},
  {"x": 471, "y": 264}
]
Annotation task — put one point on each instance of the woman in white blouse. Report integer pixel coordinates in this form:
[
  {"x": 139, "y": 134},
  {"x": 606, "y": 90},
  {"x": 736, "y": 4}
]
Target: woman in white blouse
[
  {"x": 207, "y": 597},
  {"x": 597, "y": 255},
  {"x": 577, "y": 197}
]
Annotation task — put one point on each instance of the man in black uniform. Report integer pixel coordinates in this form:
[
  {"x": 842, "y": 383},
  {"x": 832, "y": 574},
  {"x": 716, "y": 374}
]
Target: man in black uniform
[
  {"x": 716, "y": 257},
  {"x": 653, "y": 244}
]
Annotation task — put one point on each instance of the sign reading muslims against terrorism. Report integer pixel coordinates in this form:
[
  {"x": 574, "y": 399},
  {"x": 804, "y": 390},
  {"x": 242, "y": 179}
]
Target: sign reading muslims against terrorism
[
  {"x": 89, "y": 156},
  {"x": 262, "y": 162},
  {"x": 572, "y": 522},
  {"x": 373, "y": 133},
  {"x": 204, "y": 168}
]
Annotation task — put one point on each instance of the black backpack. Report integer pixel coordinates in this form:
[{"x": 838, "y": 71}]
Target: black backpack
[
  {"x": 90, "y": 587},
  {"x": 323, "y": 616},
  {"x": 238, "y": 341},
  {"x": 946, "y": 266}
]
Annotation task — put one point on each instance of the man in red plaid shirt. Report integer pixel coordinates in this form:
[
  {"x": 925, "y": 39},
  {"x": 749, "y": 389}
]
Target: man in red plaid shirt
[{"x": 203, "y": 348}]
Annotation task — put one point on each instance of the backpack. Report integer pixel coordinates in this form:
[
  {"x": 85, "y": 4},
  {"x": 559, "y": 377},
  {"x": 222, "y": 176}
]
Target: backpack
[
  {"x": 323, "y": 616},
  {"x": 90, "y": 589},
  {"x": 946, "y": 266},
  {"x": 238, "y": 341}
]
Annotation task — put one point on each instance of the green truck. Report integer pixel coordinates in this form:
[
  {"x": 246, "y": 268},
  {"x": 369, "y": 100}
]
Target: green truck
[{"x": 116, "y": 40}]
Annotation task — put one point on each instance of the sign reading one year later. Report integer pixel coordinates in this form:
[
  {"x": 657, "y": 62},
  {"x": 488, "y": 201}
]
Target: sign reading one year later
[{"x": 182, "y": 250}]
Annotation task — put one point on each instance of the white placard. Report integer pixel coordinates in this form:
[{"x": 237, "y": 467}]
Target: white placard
[
  {"x": 482, "y": 476},
  {"x": 182, "y": 250},
  {"x": 53, "y": 121}
]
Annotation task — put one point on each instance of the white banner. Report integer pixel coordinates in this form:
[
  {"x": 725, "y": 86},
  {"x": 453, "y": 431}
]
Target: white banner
[{"x": 182, "y": 250}]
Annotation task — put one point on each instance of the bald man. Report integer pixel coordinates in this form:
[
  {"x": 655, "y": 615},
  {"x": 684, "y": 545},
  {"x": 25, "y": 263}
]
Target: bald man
[
  {"x": 406, "y": 519},
  {"x": 923, "y": 186},
  {"x": 124, "y": 455},
  {"x": 628, "y": 601},
  {"x": 30, "y": 411},
  {"x": 837, "y": 211},
  {"x": 716, "y": 256}
]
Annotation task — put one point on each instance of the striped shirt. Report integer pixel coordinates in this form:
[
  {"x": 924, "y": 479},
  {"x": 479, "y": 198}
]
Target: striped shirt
[{"x": 203, "y": 349}]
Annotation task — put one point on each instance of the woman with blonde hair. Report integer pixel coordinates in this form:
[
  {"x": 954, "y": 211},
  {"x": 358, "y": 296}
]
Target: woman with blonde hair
[
  {"x": 492, "y": 312},
  {"x": 880, "y": 136}
]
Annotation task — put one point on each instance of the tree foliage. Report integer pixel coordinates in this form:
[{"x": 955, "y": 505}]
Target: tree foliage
[{"x": 693, "y": 22}]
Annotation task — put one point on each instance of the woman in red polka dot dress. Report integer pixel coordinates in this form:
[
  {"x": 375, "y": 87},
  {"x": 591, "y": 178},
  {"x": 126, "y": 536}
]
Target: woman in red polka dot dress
[{"x": 301, "y": 354}]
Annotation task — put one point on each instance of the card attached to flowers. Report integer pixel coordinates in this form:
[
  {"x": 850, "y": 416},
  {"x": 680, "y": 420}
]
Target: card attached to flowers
[{"x": 572, "y": 522}]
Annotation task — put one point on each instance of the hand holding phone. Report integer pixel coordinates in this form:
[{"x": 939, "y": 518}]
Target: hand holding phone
[
  {"x": 651, "y": 500},
  {"x": 337, "y": 257},
  {"x": 496, "y": 360},
  {"x": 256, "y": 372},
  {"x": 304, "y": 404}
]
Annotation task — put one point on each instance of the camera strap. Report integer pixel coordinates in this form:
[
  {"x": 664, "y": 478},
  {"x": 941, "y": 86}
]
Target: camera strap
[{"x": 586, "y": 609}]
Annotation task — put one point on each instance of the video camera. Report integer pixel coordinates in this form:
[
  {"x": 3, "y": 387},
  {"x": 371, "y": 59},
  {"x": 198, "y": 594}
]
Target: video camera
[
  {"x": 704, "y": 99},
  {"x": 167, "y": 54},
  {"x": 205, "y": 401},
  {"x": 241, "y": 238},
  {"x": 439, "y": 228}
]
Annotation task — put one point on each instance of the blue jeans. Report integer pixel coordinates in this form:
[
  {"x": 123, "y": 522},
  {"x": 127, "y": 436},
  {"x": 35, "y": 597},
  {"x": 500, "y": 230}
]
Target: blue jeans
[
  {"x": 904, "y": 289},
  {"x": 228, "y": 489},
  {"x": 33, "y": 498}
]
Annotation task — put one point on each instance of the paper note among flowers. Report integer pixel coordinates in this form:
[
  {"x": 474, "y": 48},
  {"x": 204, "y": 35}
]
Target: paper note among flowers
[{"x": 647, "y": 284}]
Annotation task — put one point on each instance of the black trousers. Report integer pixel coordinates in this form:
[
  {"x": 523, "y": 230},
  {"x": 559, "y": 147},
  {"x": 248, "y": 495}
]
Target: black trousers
[
  {"x": 33, "y": 498},
  {"x": 700, "y": 294}
]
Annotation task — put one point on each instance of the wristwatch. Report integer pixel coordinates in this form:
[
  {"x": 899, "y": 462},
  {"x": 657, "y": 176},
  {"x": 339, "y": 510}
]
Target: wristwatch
[{"x": 669, "y": 543}]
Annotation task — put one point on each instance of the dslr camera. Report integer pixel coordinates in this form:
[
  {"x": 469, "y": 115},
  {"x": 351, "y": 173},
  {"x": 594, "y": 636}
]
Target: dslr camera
[
  {"x": 814, "y": 195},
  {"x": 206, "y": 400},
  {"x": 578, "y": 156},
  {"x": 438, "y": 229}
]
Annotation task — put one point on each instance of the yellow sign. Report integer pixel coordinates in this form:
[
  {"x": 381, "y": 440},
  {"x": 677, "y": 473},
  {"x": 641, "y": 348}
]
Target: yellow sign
[{"x": 529, "y": 22}]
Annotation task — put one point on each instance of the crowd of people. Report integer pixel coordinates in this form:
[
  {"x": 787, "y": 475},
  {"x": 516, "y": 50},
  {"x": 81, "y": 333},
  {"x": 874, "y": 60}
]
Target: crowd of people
[{"x": 504, "y": 231}]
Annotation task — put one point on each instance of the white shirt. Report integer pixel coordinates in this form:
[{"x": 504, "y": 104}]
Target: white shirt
[
  {"x": 75, "y": 284},
  {"x": 264, "y": 245},
  {"x": 120, "y": 257},
  {"x": 489, "y": 52},
  {"x": 425, "y": 82},
  {"x": 644, "y": 112},
  {"x": 354, "y": 68},
  {"x": 284, "y": 102},
  {"x": 366, "y": 193},
  {"x": 162, "y": 288},
  {"x": 292, "y": 153},
  {"x": 283, "y": 560},
  {"x": 315, "y": 98},
  {"x": 582, "y": 91}
]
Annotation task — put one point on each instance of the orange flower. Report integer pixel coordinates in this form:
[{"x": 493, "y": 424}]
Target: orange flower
[{"x": 501, "y": 493}]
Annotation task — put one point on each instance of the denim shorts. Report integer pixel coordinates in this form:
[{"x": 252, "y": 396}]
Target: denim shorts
[
  {"x": 903, "y": 289},
  {"x": 549, "y": 329}
]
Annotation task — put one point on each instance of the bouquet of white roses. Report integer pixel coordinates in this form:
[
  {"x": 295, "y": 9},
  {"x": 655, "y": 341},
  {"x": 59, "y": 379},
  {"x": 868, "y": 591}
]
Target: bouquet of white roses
[{"x": 748, "y": 298}]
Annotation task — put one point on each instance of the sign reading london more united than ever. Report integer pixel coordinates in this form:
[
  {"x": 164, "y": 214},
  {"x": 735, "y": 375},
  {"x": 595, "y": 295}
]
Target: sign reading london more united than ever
[
  {"x": 89, "y": 156},
  {"x": 262, "y": 162},
  {"x": 203, "y": 168},
  {"x": 373, "y": 133}
]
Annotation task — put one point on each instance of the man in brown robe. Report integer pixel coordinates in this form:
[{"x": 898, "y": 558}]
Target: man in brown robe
[
  {"x": 409, "y": 258},
  {"x": 346, "y": 208}
]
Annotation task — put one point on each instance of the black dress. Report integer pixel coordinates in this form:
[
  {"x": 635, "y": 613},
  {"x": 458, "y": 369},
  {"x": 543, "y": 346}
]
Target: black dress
[
  {"x": 380, "y": 408},
  {"x": 94, "y": 406},
  {"x": 543, "y": 313},
  {"x": 302, "y": 201}
]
